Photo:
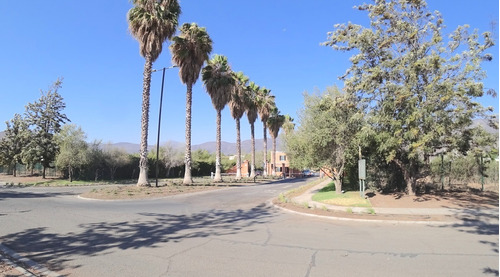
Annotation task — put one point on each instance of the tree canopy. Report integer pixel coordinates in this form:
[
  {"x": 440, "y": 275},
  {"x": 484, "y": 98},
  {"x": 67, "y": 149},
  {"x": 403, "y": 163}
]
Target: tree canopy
[
  {"x": 45, "y": 119},
  {"x": 418, "y": 89},
  {"x": 73, "y": 149},
  {"x": 326, "y": 137}
]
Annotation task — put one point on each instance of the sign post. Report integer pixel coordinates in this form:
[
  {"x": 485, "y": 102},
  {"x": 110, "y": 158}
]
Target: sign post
[{"x": 362, "y": 176}]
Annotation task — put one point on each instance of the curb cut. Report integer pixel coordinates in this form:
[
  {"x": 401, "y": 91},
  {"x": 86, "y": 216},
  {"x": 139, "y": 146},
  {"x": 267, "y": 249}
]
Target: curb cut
[{"x": 16, "y": 258}]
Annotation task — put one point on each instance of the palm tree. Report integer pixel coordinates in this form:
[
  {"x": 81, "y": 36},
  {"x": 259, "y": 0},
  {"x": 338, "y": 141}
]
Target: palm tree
[
  {"x": 189, "y": 51},
  {"x": 219, "y": 83},
  {"x": 275, "y": 121},
  {"x": 237, "y": 106},
  {"x": 265, "y": 104},
  {"x": 251, "y": 110},
  {"x": 288, "y": 125},
  {"x": 151, "y": 22}
]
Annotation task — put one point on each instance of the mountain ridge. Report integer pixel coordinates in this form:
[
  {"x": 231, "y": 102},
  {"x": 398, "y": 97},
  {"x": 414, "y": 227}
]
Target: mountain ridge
[{"x": 227, "y": 148}]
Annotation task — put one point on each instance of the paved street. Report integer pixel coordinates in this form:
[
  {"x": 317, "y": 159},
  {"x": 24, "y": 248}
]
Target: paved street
[{"x": 229, "y": 232}]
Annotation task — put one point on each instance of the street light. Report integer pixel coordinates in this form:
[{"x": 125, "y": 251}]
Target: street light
[{"x": 159, "y": 118}]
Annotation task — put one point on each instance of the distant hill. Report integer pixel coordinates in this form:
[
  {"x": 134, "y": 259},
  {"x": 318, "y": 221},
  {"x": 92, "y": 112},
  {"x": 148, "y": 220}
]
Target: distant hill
[
  {"x": 486, "y": 126},
  {"x": 227, "y": 148},
  {"x": 130, "y": 148},
  {"x": 134, "y": 148}
]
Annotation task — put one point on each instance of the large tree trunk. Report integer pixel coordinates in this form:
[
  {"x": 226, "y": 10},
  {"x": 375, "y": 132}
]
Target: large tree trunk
[
  {"x": 238, "y": 150},
  {"x": 96, "y": 175},
  {"x": 70, "y": 173},
  {"x": 143, "y": 162},
  {"x": 187, "y": 156},
  {"x": 218, "y": 177},
  {"x": 112, "y": 173},
  {"x": 43, "y": 171},
  {"x": 14, "y": 170},
  {"x": 338, "y": 185},
  {"x": 252, "y": 166},
  {"x": 409, "y": 175},
  {"x": 273, "y": 158},
  {"x": 265, "y": 149}
]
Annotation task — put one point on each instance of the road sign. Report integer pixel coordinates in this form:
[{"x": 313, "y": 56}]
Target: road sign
[{"x": 362, "y": 169}]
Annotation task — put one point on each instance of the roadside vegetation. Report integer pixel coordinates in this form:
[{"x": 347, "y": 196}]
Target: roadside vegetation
[
  {"x": 407, "y": 105},
  {"x": 328, "y": 195},
  {"x": 409, "y": 101}
]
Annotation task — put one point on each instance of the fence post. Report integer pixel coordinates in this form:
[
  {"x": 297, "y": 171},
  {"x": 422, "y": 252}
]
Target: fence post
[
  {"x": 442, "y": 172},
  {"x": 482, "y": 173}
]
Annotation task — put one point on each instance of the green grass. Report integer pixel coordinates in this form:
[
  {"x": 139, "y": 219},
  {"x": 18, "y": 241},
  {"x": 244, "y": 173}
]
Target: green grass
[{"x": 350, "y": 199}]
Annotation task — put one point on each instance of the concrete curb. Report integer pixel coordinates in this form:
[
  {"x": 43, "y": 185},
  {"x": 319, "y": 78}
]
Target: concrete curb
[
  {"x": 306, "y": 197},
  {"x": 339, "y": 218},
  {"x": 16, "y": 259}
]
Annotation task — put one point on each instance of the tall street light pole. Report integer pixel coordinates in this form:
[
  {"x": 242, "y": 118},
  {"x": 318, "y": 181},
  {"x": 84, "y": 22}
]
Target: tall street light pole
[{"x": 159, "y": 120}]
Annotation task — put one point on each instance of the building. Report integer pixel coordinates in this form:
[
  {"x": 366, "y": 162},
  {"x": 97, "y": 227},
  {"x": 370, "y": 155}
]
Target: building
[{"x": 283, "y": 166}]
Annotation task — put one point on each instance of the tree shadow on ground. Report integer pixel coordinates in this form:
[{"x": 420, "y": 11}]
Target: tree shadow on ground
[
  {"x": 21, "y": 194},
  {"x": 99, "y": 238}
]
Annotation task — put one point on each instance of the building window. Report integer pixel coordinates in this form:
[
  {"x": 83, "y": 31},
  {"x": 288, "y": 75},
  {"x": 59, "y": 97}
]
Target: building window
[{"x": 283, "y": 158}]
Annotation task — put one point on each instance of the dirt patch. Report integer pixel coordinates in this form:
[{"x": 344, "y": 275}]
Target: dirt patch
[
  {"x": 133, "y": 192},
  {"x": 9, "y": 179},
  {"x": 444, "y": 199}
]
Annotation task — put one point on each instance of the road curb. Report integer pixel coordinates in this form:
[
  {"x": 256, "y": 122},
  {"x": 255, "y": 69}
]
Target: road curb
[
  {"x": 340, "y": 218},
  {"x": 16, "y": 259},
  {"x": 154, "y": 198}
]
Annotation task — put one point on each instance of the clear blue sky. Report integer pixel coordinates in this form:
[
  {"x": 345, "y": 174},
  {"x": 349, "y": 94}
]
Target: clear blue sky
[{"x": 275, "y": 43}]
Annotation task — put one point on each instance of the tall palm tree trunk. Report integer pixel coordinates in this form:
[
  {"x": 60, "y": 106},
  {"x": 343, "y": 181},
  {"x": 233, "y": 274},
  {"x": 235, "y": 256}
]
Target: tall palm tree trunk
[
  {"x": 187, "y": 161},
  {"x": 218, "y": 177},
  {"x": 252, "y": 166},
  {"x": 238, "y": 150},
  {"x": 143, "y": 162},
  {"x": 265, "y": 149},
  {"x": 273, "y": 158}
]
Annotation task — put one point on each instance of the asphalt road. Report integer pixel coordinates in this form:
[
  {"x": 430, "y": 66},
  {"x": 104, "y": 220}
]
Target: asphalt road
[{"x": 229, "y": 232}]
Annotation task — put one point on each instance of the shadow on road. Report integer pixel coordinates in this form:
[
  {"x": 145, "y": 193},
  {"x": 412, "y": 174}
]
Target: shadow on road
[
  {"x": 20, "y": 194},
  {"x": 99, "y": 238}
]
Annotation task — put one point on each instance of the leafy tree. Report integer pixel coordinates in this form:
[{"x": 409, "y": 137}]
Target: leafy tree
[
  {"x": 45, "y": 118},
  {"x": 203, "y": 162},
  {"x": 115, "y": 158},
  {"x": 29, "y": 154},
  {"x": 14, "y": 141},
  {"x": 151, "y": 22},
  {"x": 96, "y": 159},
  {"x": 219, "y": 82},
  {"x": 237, "y": 106},
  {"x": 72, "y": 149},
  {"x": 265, "y": 104},
  {"x": 189, "y": 51},
  {"x": 171, "y": 157},
  {"x": 275, "y": 121},
  {"x": 417, "y": 89},
  {"x": 251, "y": 110},
  {"x": 327, "y": 134}
]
